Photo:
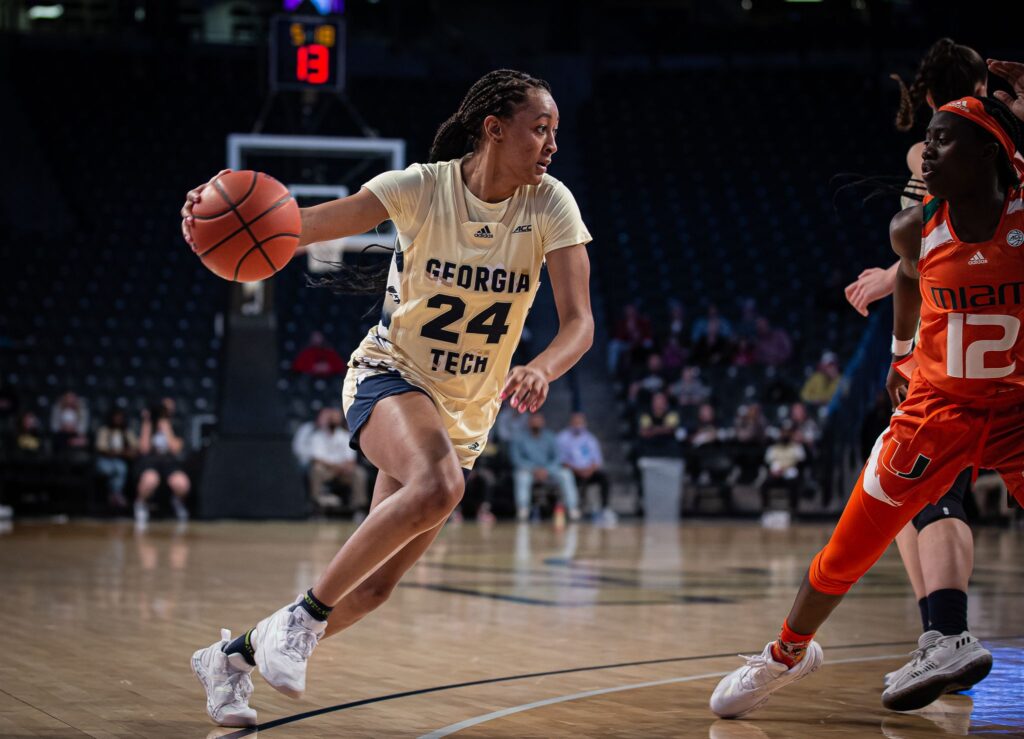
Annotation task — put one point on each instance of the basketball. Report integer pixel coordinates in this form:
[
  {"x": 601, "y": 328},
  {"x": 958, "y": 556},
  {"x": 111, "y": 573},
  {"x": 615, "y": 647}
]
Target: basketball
[{"x": 246, "y": 226}]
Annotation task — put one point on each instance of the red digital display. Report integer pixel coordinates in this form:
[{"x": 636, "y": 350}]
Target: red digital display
[{"x": 307, "y": 53}]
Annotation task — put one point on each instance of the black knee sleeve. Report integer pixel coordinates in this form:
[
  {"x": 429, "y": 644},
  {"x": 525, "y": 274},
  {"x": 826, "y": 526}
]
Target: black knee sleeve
[{"x": 950, "y": 505}]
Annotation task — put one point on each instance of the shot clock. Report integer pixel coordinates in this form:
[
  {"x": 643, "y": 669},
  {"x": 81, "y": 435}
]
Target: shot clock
[{"x": 307, "y": 53}]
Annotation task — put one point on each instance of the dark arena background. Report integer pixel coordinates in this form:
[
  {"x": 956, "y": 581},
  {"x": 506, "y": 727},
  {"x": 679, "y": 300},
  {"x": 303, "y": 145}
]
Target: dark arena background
[{"x": 173, "y": 455}]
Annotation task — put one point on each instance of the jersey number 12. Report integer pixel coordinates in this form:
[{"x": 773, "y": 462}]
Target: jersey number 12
[{"x": 969, "y": 362}]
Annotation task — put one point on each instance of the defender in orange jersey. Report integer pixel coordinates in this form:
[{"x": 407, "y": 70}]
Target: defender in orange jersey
[{"x": 962, "y": 274}]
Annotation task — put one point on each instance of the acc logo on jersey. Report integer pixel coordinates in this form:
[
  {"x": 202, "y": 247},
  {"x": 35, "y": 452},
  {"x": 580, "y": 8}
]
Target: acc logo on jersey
[
  {"x": 524, "y": 229},
  {"x": 1015, "y": 238}
]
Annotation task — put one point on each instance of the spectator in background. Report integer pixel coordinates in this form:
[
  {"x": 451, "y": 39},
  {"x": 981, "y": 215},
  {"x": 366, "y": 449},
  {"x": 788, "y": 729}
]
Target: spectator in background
[
  {"x": 783, "y": 459},
  {"x": 161, "y": 451},
  {"x": 652, "y": 381},
  {"x": 657, "y": 428},
  {"x": 772, "y": 346},
  {"x": 673, "y": 355},
  {"x": 705, "y": 430},
  {"x": 302, "y": 440},
  {"x": 701, "y": 325},
  {"x": 713, "y": 347},
  {"x": 744, "y": 354},
  {"x": 823, "y": 382},
  {"x": 631, "y": 337},
  {"x": 677, "y": 321},
  {"x": 69, "y": 415},
  {"x": 332, "y": 460},
  {"x": 28, "y": 435},
  {"x": 689, "y": 389},
  {"x": 806, "y": 430},
  {"x": 318, "y": 359},
  {"x": 580, "y": 451},
  {"x": 534, "y": 455},
  {"x": 746, "y": 328},
  {"x": 116, "y": 446},
  {"x": 750, "y": 426}
]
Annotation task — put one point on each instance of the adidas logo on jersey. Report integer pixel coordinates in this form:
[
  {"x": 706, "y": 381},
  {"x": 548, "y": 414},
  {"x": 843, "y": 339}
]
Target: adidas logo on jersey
[
  {"x": 524, "y": 229},
  {"x": 978, "y": 258},
  {"x": 474, "y": 447},
  {"x": 484, "y": 233}
]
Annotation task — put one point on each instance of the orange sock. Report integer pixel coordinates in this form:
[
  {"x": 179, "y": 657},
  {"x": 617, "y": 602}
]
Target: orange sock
[{"x": 790, "y": 647}]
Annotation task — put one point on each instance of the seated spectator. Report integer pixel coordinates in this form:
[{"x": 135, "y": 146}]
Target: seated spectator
[
  {"x": 689, "y": 389},
  {"x": 534, "y": 454},
  {"x": 673, "y": 355},
  {"x": 713, "y": 347},
  {"x": 744, "y": 355},
  {"x": 677, "y": 321},
  {"x": 701, "y": 325},
  {"x": 823, "y": 382},
  {"x": 29, "y": 439},
  {"x": 161, "y": 451},
  {"x": 750, "y": 426},
  {"x": 580, "y": 451},
  {"x": 318, "y": 359},
  {"x": 302, "y": 439},
  {"x": 70, "y": 416},
  {"x": 631, "y": 337},
  {"x": 705, "y": 430},
  {"x": 806, "y": 430},
  {"x": 657, "y": 429},
  {"x": 652, "y": 381},
  {"x": 783, "y": 458},
  {"x": 772, "y": 346},
  {"x": 332, "y": 460},
  {"x": 116, "y": 446},
  {"x": 746, "y": 327}
]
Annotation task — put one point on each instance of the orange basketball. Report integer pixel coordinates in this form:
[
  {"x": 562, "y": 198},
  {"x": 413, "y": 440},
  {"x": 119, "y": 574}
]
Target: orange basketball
[{"x": 246, "y": 226}]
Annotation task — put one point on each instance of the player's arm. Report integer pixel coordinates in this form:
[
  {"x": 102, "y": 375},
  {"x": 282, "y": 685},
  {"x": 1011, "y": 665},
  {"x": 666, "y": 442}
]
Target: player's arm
[
  {"x": 569, "y": 268},
  {"x": 1012, "y": 72},
  {"x": 905, "y": 235}
]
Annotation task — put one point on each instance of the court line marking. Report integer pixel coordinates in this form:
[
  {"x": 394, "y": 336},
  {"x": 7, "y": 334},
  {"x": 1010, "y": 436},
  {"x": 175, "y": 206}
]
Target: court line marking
[
  {"x": 484, "y": 718},
  {"x": 509, "y": 678},
  {"x": 45, "y": 713}
]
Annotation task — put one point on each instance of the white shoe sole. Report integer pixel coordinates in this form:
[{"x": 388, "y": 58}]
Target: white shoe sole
[{"x": 919, "y": 695}]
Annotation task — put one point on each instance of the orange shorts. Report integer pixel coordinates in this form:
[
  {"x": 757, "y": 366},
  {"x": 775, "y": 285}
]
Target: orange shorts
[{"x": 930, "y": 441}]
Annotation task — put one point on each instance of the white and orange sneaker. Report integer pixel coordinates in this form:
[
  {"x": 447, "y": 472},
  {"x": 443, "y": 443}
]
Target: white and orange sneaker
[{"x": 747, "y": 688}]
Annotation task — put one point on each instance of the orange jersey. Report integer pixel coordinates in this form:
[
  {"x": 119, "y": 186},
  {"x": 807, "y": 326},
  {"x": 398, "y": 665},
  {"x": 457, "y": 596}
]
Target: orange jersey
[{"x": 971, "y": 344}]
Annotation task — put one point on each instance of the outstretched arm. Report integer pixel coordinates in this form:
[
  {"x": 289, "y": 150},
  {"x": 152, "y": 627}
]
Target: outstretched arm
[
  {"x": 527, "y": 386},
  {"x": 1012, "y": 72},
  {"x": 872, "y": 284}
]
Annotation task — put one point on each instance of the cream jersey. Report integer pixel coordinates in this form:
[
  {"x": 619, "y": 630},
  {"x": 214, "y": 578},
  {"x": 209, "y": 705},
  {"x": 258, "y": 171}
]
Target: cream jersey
[{"x": 459, "y": 290}]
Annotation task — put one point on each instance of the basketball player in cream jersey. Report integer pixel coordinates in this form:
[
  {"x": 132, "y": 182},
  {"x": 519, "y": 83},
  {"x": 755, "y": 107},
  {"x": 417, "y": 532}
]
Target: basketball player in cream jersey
[{"x": 423, "y": 388}]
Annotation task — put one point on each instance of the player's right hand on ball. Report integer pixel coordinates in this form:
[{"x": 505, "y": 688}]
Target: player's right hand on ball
[
  {"x": 896, "y": 385},
  {"x": 186, "y": 210}
]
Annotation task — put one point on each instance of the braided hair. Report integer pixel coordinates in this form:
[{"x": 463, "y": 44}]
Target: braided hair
[
  {"x": 948, "y": 71},
  {"x": 497, "y": 93}
]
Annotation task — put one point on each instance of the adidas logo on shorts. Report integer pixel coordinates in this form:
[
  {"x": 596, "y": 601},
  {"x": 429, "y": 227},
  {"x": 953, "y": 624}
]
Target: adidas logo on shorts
[
  {"x": 978, "y": 258},
  {"x": 484, "y": 233}
]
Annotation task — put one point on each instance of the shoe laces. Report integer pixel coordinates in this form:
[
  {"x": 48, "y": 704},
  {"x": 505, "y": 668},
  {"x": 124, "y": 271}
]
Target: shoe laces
[
  {"x": 299, "y": 640},
  {"x": 757, "y": 672}
]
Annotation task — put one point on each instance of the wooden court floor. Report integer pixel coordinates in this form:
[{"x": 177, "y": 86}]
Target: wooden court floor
[{"x": 515, "y": 631}]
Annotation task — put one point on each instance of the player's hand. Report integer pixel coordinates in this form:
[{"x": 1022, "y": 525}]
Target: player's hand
[
  {"x": 526, "y": 388},
  {"x": 1012, "y": 72},
  {"x": 186, "y": 210},
  {"x": 871, "y": 285},
  {"x": 896, "y": 385}
]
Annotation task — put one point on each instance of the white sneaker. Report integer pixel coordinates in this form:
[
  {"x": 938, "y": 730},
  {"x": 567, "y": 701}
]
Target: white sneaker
[
  {"x": 609, "y": 517},
  {"x": 283, "y": 642},
  {"x": 924, "y": 642},
  {"x": 522, "y": 514},
  {"x": 948, "y": 663},
  {"x": 748, "y": 688},
  {"x": 180, "y": 510},
  {"x": 141, "y": 513},
  {"x": 228, "y": 686}
]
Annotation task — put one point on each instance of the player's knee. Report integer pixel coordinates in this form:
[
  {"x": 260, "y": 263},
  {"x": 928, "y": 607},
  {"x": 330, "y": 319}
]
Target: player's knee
[
  {"x": 148, "y": 481},
  {"x": 827, "y": 574},
  {"x": 944, "y": 510},
  {"x": 179, "y": 483},
  {"x": 438, "y": 492}
]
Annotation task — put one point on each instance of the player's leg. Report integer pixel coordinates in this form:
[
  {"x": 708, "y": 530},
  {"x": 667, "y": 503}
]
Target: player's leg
[
  {"x": 906, "y": 543},
  {"x": 180, "y": 486},
  {"x": 149, "y": 481}
]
